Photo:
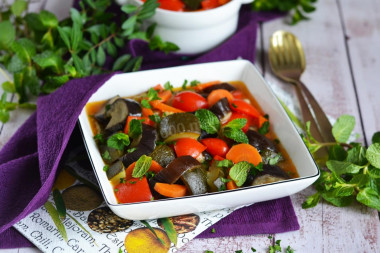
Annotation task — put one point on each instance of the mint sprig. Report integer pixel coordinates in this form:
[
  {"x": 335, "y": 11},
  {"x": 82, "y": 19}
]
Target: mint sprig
[
  {"x": 352, "y": 170},
  {"x": 233, "y": 130},
  {"x": 118, "y": 141},
  {"x": 142, "y": 166},
  {"x": 239, "y": 172},
  {"x": 209, "y": 122},
  {"x": 135, "y": 128}
]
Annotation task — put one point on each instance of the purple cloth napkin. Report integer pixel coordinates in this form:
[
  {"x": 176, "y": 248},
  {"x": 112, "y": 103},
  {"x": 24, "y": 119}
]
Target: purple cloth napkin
[{"x": 29, "y": 161}]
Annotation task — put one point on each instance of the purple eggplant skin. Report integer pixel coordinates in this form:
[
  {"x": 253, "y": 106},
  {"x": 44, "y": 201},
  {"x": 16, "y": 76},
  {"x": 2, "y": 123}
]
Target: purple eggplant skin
[
  {"x": 224, "y": 86},
  {"x": 176, "y": 169},
  {"x": 134, "y": 108},
  {"x": 260, "y": 142},
  {"x": 145, "y": 147},
  {"x": 270, "y": 174},
  {"x": 222, "y": 109}
]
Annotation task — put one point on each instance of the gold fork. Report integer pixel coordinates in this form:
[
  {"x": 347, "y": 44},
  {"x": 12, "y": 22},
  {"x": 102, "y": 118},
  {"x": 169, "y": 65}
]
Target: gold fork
[{"x": 287, "y": 60}]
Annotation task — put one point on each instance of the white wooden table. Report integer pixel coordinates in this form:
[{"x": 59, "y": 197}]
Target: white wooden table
[{"x": 342, "y": 46}]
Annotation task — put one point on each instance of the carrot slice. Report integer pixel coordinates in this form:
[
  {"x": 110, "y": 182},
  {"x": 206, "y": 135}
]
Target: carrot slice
[
  {"x": 146, "y": 112},
  {"x": 244, "y": 152},
  {"x": 157, "y": 104},
  {"x": 231, "y": 185},
  {"x": 261, "y": 121},
  {"x": 158, "y": 87},
  {"x": 165, "y": 95},
  {"x": 170, "y": 190},
  {"x": 218, "y": 94},
  {"x": 202, "y": 86}
]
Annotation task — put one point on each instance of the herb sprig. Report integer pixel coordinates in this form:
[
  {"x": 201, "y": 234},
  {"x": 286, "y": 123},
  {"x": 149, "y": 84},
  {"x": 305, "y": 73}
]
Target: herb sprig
[
  {"x": 42, "y": 53},
  {"x": 352, "y": 171}
]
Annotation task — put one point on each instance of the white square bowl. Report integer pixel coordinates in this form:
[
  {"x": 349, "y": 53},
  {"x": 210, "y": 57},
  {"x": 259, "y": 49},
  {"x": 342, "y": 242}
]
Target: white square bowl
[{"x": 130, "y": 84}]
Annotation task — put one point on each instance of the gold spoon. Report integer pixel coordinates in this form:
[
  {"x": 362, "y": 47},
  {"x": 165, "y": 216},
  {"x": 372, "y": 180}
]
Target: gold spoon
[{"x": 287, "y": 60}]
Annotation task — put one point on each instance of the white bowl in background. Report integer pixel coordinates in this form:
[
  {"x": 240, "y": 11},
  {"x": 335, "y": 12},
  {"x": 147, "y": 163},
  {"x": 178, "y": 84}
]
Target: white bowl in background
[
  {"x": 198, "y": 31},
  {"x": 130, "y": 84}
]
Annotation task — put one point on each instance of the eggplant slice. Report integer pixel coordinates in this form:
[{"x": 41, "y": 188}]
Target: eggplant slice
[
  {"x": 266, "y": 147},
  {"x": 270, "y": 174},
  {"x": 176, "y": 169},
  {"x": 222, "y": 109},
  {"x": 179, "y": 125},
  {"x": 224, "y": 86},
  {"x": 145, "y": 147}
]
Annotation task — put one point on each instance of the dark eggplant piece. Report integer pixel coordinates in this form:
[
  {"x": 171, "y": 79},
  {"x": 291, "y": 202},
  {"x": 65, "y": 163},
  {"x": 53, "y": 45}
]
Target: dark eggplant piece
[
  {"x": 115, "y": 172},
  {"x": 266, "y": 147},
  {"x": 134, "y": 108},
  {"x": 195, "y": 180},
  {"x": 224, "y": 86},
  {"x": 101, "y": 116},
  {"x": 222, "y": 109},
  {"x": 176, "y": 169},
  {"x": 145, "y": 147},
  {"x": 270, "y": 174},
  {"x": 204, "y": 135},
  {"x": 114, "y": 154},
  {"x": 163, "y": 154},
  {"x": 118, "y": 113},
  {"x": 179, "y": 125}
]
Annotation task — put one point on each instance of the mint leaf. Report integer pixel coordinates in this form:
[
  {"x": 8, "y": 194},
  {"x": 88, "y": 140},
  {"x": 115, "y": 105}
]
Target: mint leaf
[
  {"x": 237, "y": 123},
  {"x": 168, "y": 86},
  {"x": 48, "y": 19},
  {"x": 360, "y": 180},
  {"x": 275, "y": 159},
  {"x": 106, "y": 155},
  {"x": 99, "y": 138},
  {"x": 135, "y": 128},
  {"x": 225, "y": 163},
  {"x": 145, "y": 103},
  {"x": 369, "y": 197},
  {"x": 357, "y": 155},
  {"x": 25, "y": 49},
  {"x": 239, "y": 172},
  {"x": 235, "y": 134},
  {"x": 312, "y": 201},
  {"x": 337, "y": 152},
  {"x": 376, "y": 137},
  {"x": 153, "y": 95},
  {"x": 343, "y": 127},
  {"x": 341, "y": 190},
  {"x": 118, "y": 141},
  {"x": 49, "y": 59},
  {"x": 18, "y": 7},
  {"x": 373, "y": 155},
  {"x": 373, "y": 172},
  {"x": 155, "y": 118},
  {"x": 209, "y": 122},
  {"x": 340, "y": 168},
  {"x": 142, "y": 166},
  {"x": 337, "y": 201},
  {"x": 7, "y": 34},
  {"x": 264, "y": 129}
]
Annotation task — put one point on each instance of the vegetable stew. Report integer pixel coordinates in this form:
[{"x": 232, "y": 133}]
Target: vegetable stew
[
  {"x": 190, "y": 5},
  {"x": 172, "y": 142}
]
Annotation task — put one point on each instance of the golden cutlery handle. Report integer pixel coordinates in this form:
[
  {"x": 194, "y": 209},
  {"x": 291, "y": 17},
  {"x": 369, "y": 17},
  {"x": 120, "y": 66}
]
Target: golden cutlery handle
[{"x": 320, "y": 116}]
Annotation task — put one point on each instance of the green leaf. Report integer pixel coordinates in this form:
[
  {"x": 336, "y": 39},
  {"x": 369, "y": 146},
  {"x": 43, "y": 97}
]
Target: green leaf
[
  {"x": 118, "y": 141},
  {"x": 7, "y": 34},
  {"x": 48, "y": 40},
  {"x": 239, "y": 172},
  {"x": 152, "y": 230},
  {"x": 209, "y": 122},
  {"x": 54, "y": 82},
  {"x": 4, "y": 115},
  {"x": 307, "y": 7},
  {"x": 373, "y": 155},
  {"x": 264, "y": 129},
  {"x": 8, "y": 87},
  {"x": 137, "y": 64},
  {"x": 34, "y": 22},
  {"x": 170, "y": 230},
  {"x": 340, "y": 168},
  {"x": 59, "y": 203},
  {"x": 19, "y": 81},
  {"x": 129, "y": 8},
  {"x": 18, "y": 7},
  {"x": 168, "y": 86},
  {"x": 111, "y": 49},
  {"x": 312, "y": 201},
  {"x": 135, "y": 128},
  {"x": 16, "y": 64},
  {"x": 145, "y": 103},
  {"x": 156, "y": 43},
  {"x": 142, "y": 166},
  {"x": 81, "y": 226},
  {"x": 55, "y": 217},
  {"x": 101, "y": 56},
  {"x": 376, "y": 137},
  {"x": 153, "y": 95},
  {"x": 235, "y": 134},
  {"x": 78, "y": 63},
  {"x": 24, "y": 48},
  {"x": 155, "y": 118},
  {"x": 337, "y": 201},
  {"x": 373, "y": 172},
  {"x": 49, "y": 59},
  {"x": 32, "y": 82},
  {"x": 129, "y": 25},
  {"x": 119, "y": 42},
  {"x": 237, "y": 123},
  {"x": 369, "y": 197},
  {"x": 341, "y": 190},
  {"x": 343, "y": 127},
  {"x": 273, "y": 160},
  {"x": 64, "y": 36},
  {"x": 225, "y": 163},
  {"x": 337, "y": 152},
  {"x": 48, "y": 19},
  {"x": 357, "y": 155},
  {"x": 76, "y": 35},
  {"x": 148, "y": 9},
  {"x": 76, "y": 16},
  {"x": 360, "y": 180},
  {"x": 121, "y": 62}
]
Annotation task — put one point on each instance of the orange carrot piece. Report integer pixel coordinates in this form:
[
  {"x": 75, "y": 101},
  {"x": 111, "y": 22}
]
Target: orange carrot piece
[
  {"x": 261, "y": 121},
  {"x": 202, "y": 86},
  {"x": 170, "y": 190},
  {"x": 218, "y": 94},
  {"x": 244, "y": 152},
  {"x": 158, "y": 87},
  {"x": 165, "y": 95},
  {"x": 231, "y": 185},
  {"x": 157, "y": 104},
  {"x": 146, "y": 112}
]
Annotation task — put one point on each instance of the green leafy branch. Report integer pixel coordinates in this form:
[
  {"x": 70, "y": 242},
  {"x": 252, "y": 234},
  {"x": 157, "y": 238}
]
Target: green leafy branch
[
  {"x": 42, "y": 53},
  {"x": 352, "y": 171},
  {"x": 297, "y": 8}
]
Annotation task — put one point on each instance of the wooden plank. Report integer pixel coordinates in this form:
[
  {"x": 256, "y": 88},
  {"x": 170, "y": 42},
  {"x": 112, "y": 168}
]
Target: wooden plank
[
  {"x": 363, "y": 38},
  {"x": 327, "y": 228}
]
